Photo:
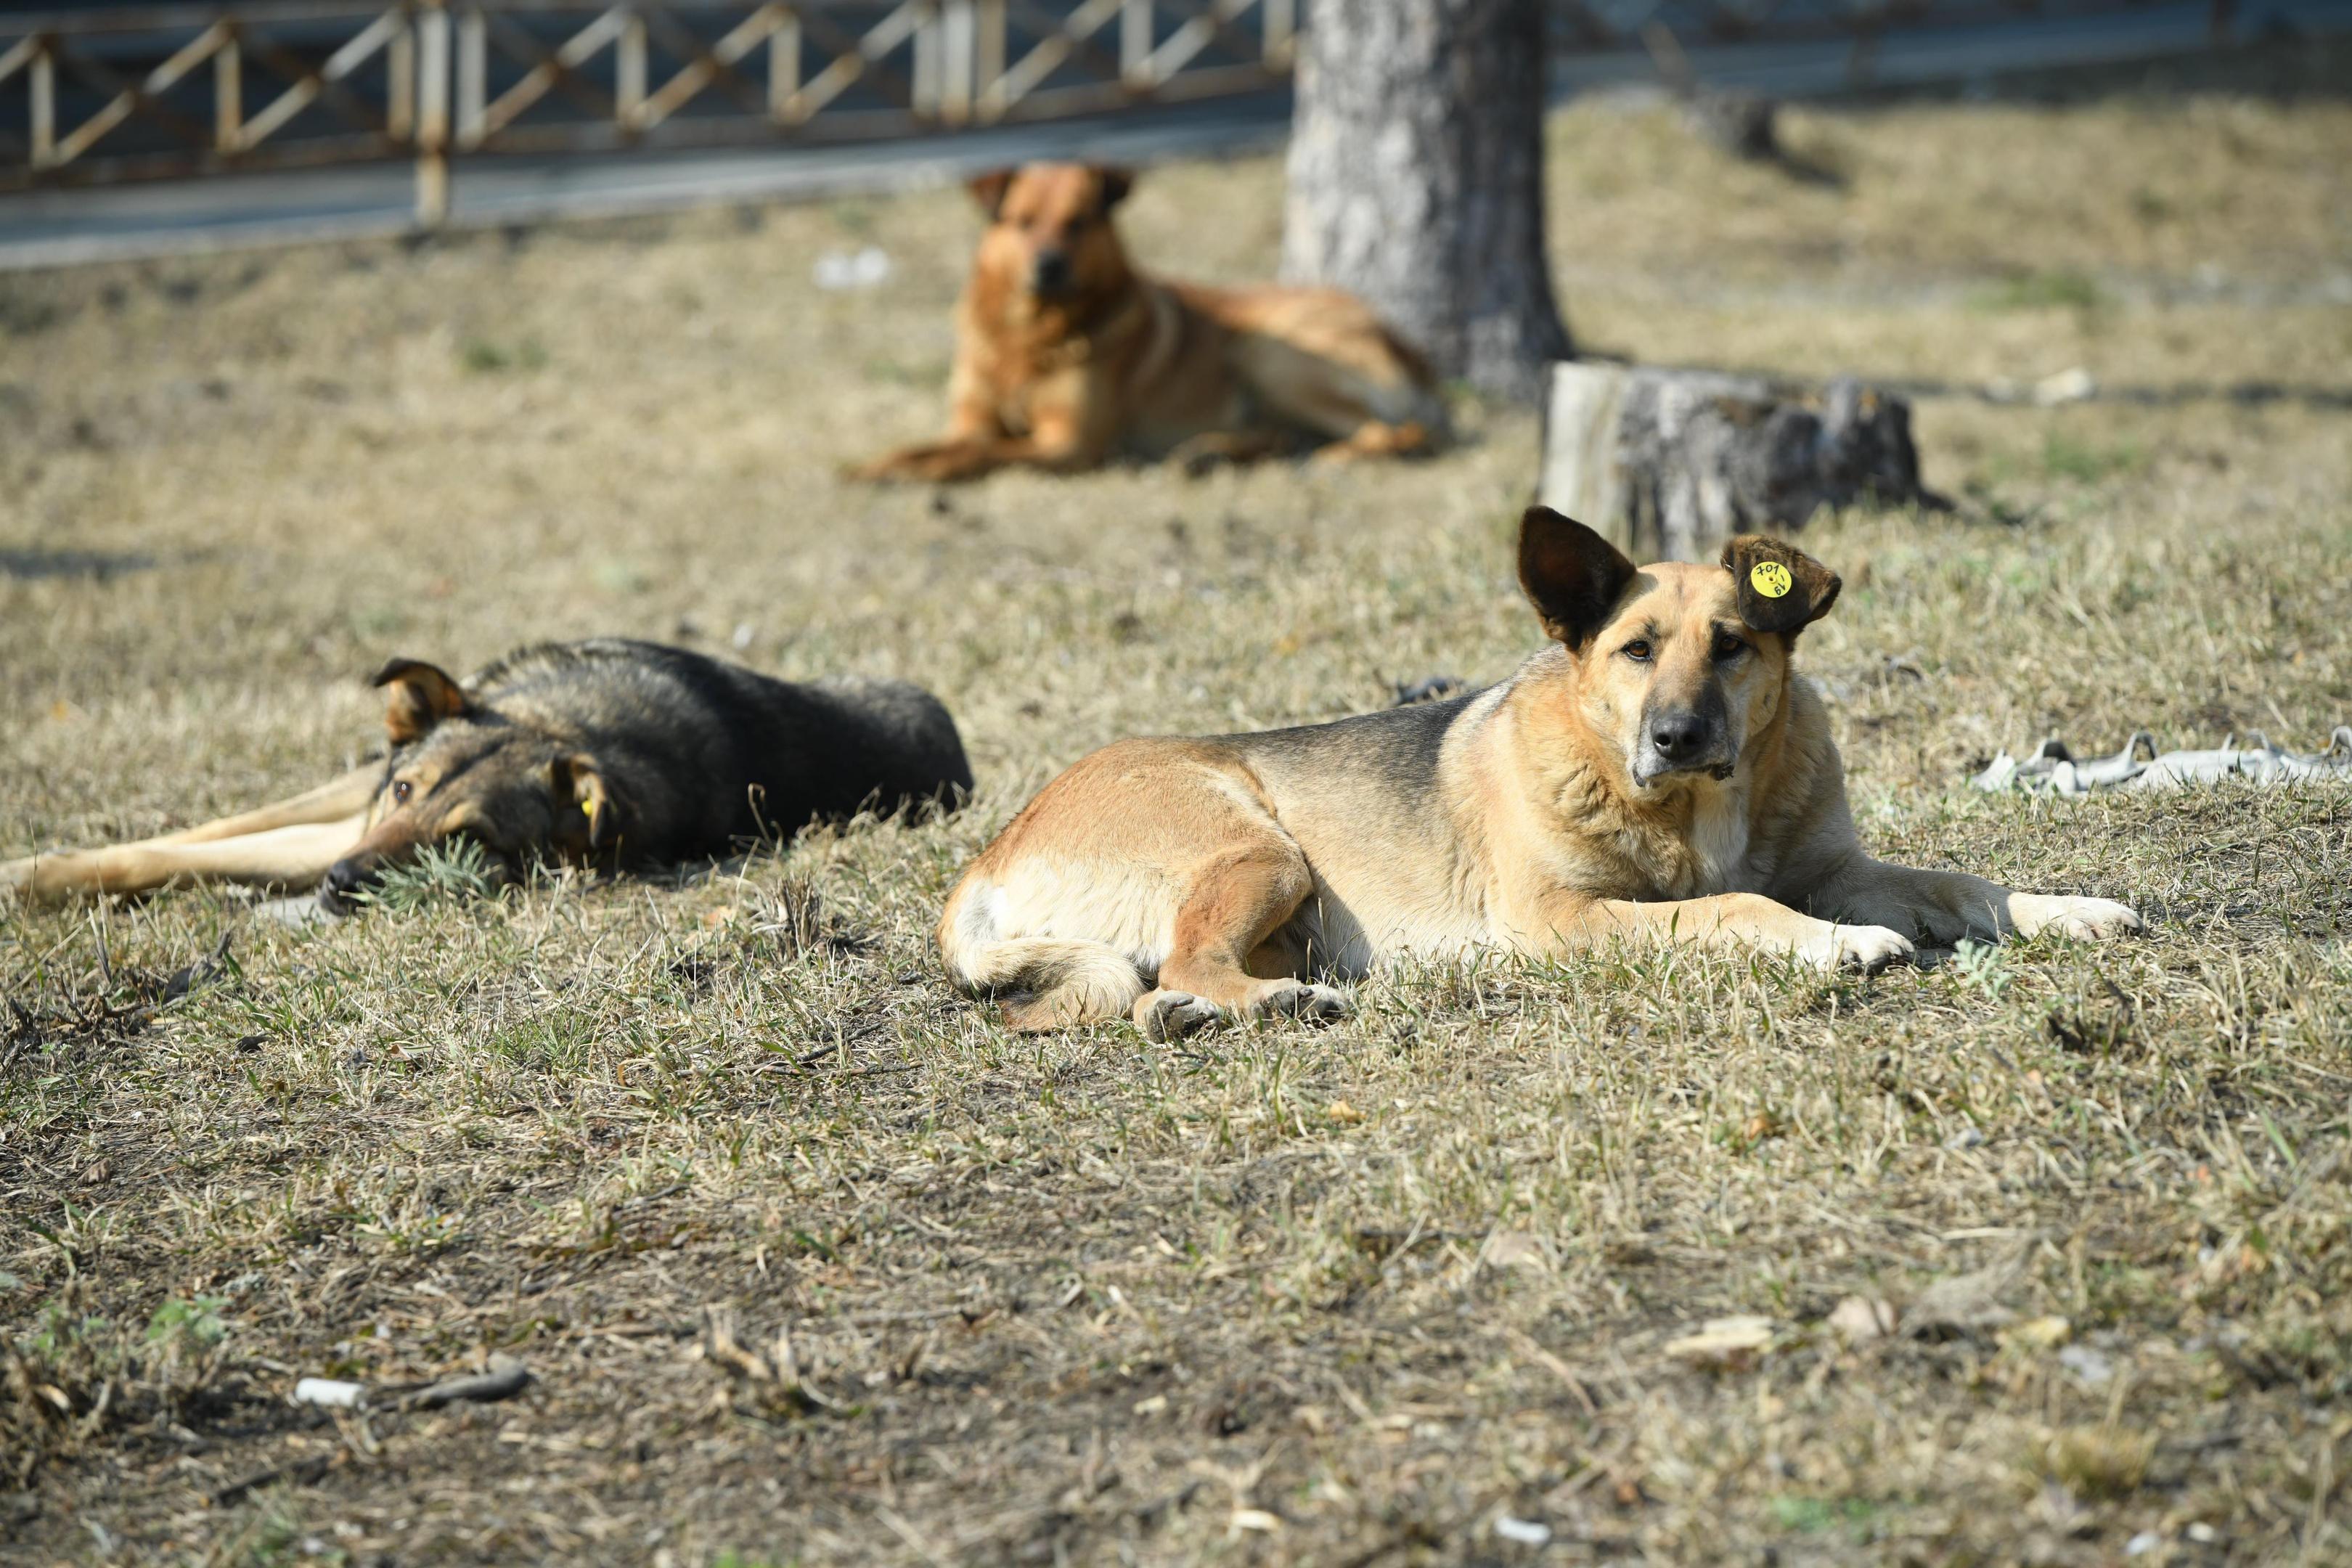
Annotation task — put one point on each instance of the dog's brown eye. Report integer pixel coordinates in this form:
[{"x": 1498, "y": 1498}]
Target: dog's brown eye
[
  {"x": 401, "y": 790},
  {"x": 1728, "y": 648},
  {"x": 1639, "y": 652}
]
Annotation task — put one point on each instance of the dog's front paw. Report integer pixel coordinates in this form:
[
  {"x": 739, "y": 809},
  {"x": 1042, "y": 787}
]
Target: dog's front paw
[
  {"x": 1866, "y": 948},
  {"x": 2084, "y": 919},
  {"x": 1165, "y": 1015},
  {"x": 1297, "y": 999}
]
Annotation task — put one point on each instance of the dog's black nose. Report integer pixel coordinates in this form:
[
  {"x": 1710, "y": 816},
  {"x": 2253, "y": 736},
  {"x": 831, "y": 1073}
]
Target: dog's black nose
[
  {"x": 343, "y": 879},
  {"x": 1051, "y": 274},
  {"x": 1679, "y": 737}
]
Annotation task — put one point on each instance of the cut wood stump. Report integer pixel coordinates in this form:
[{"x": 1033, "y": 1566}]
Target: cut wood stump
[{"x": 1668, "y": 464}]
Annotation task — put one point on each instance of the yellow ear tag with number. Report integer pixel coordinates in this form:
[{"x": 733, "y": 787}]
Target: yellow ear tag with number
[{"x": 1770, "y": 579}]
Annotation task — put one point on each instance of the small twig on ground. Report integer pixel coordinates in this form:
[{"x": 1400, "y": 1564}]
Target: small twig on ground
[
  {"x": 1556, "y": 1367},
  {"x": 506, "y": 1378}
]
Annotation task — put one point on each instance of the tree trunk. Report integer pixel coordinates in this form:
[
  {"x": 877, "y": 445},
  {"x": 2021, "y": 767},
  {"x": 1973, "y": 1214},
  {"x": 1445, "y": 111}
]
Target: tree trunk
[
  {"x": 1416, "y": 179},
  {"x": 1668, "y": 464}
]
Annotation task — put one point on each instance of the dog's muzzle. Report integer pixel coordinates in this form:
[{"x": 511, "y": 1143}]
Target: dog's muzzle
[
  {"x": 340, "y": 888},
  {"x": 1683, "y": 741},
  {"x": 1052, "y": 273}
]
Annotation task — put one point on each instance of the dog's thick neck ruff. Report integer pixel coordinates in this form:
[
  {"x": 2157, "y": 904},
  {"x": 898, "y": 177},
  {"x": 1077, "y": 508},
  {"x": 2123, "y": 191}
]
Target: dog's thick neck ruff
[
  {"x": 1582, "y": 794},
  {"x": 1069, "y": 329}
]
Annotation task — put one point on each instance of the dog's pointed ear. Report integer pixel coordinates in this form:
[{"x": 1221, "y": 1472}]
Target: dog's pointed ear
[
  {"x": 1114, "y": 184},
  {"x": 1782, "y": 589},
  {"x": 578, "y": 780},
  {"x": 1572, "y": 575},
  {"x": 420, "y": 695},
  {"x": 989, "y": 189}
]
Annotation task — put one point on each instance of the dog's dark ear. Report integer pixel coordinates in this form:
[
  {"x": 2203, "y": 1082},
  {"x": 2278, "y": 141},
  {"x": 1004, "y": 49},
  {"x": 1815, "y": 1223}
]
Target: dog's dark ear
[
  {"x": 989, "y": 189},
  {"x": 1115, "y": 184},
  {"x": 578, "y": 780},
  {"x": 1782, "y": 589},
  {"x": 1572, "y": 575},
  {"x": 421, "y": 696}
]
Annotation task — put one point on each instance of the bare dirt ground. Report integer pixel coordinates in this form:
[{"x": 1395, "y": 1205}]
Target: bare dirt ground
[{"x": 1414, "y": 1287}]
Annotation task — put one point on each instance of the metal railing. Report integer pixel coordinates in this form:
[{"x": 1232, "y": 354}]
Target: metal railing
[
  {"x": 115, "y": 95},
  {"x": 112, "y": 94}
]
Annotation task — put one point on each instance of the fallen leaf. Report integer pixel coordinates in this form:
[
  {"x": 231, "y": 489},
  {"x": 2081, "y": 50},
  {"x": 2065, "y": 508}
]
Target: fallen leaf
[
  {"x": 1255, "y": 1519},
  {"x": 1342, "y": 1114}
]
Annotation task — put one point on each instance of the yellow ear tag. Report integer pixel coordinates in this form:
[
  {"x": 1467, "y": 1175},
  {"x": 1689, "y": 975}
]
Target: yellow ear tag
[{"x": 1770, "y": 579}]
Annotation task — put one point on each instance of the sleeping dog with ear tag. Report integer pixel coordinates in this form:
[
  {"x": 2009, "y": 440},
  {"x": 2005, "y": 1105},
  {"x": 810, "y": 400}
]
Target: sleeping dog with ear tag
[
  {"x": 608, "y": 753},
  {"x": 1657, "y": 772}
]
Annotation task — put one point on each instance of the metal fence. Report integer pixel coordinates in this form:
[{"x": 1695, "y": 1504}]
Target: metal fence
[
  {"x": 269, "y": 83},
  {"x": 111, "y": 94}
]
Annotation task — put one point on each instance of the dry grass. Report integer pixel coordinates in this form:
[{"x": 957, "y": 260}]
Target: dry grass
[{"x": 1344, "y": 1296}]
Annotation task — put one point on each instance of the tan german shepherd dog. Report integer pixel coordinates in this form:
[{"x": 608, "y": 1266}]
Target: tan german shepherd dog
[
  {"x": 1658, "y": 772},
  {"x": 1066, "y": 355},
  {"x": 608, "y": 753}
]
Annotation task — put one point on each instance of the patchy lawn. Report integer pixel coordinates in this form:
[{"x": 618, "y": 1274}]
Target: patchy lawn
[{"x": 810, "y": 1262}]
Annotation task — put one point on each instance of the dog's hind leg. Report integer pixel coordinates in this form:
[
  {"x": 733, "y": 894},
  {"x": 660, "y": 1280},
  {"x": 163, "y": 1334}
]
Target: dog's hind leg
[
  {"x": 1153, "y": 858},
  {"x": 1061, "y": 982},
  {"x": 1222, "y": 962},
  {"x": 1351, "y": 387},
  {"x": 293, "y": 856}
]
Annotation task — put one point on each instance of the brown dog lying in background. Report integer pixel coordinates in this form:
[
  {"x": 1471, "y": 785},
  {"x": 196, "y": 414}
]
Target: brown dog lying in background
[{"x": 1065, "y": 355}]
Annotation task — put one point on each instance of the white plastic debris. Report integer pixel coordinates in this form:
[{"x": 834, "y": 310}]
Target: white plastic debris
[
  {"x": 1526, "y": 1532},
  {"x": 1732, "y": 1342},
  {"x": 2072, "y": 385},
  {"x": 867, "y": 269},
  {"x": 2052, "y": 769},
  {"x": 328, "y": 1391}
]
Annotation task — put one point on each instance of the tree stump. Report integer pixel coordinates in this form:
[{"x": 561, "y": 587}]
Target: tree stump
[{"x": 1668, "y": 464}]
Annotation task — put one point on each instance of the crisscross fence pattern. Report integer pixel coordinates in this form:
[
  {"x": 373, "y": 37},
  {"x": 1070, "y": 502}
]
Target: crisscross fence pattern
[
  {"x": 177, "y": 90},
  {"x": 270, "y": 83}
]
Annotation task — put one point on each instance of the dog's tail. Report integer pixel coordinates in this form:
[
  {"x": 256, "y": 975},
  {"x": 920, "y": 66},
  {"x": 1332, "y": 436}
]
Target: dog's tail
[{"x": 1040, "y": 982}]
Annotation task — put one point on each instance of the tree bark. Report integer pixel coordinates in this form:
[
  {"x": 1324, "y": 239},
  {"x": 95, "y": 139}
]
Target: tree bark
[
  {"x": 1668, "y": 464},
  {"x": 1416, "y": 179}
]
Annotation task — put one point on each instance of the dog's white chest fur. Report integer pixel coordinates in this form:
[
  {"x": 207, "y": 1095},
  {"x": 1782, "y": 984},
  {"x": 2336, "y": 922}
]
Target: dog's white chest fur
[{"x": 1719, "y": 843}]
